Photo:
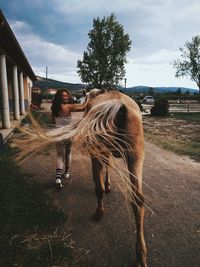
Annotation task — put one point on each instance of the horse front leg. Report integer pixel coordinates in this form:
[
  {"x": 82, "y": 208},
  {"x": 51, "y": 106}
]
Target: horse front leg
[
  {"x": 98, "y": 177},
  {"x": 135, "y": 169}
]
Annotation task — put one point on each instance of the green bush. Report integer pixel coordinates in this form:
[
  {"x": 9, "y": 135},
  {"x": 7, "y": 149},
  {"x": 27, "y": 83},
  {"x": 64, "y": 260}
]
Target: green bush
[
  {"x": 160, "y": 108},
  {"x": 139, "y": 104}
]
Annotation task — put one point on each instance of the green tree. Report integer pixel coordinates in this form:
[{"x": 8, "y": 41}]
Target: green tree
[
  {"x": 151, "y": 91},
  {"x": 187, "y": 92},
  {"x": 189, "y": 65},
  {"x": 178, "y": 92},
  {"x": 103, "y": 62}
]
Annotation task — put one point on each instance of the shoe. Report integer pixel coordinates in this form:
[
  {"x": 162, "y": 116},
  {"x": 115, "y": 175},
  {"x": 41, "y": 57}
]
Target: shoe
[
  {"x": 58, "y": 183},
  {"x": 66, "y": 175}
]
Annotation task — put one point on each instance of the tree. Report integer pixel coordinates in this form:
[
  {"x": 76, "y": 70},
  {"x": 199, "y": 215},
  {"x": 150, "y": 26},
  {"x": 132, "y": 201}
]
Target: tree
[
  {"x": 103, "y": 62},
  {"x": 160, "y": 108},
  {"x": 151, "y": 91},
  {"x": 178, "y": 92},
  {"x": 189, "y": 66},
  {"x": 187, "y": 92}
]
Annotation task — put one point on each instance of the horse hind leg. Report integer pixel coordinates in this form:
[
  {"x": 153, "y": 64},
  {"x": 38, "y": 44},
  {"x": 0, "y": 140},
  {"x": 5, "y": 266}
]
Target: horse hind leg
[
  {"x": 107, "y": 182},
  {"x": 141, "y": 251},
  {"x": 98, "y": 177},
  {"x": 135, "y": 169}
]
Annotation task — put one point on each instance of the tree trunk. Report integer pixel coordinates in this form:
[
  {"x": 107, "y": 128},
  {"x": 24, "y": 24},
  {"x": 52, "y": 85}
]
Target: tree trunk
[{"x": 198, "y": 84}]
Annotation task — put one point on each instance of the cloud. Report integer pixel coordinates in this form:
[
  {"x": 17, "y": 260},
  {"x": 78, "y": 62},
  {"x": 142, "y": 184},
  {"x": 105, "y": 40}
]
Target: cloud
[
  {"x": 154, "y": 75},
  {"x": 151, "y": 24},
  {"x": 58, "y": 34},
  {"x": 161, "y": 56},
  {"x": 60, "y": 60}
]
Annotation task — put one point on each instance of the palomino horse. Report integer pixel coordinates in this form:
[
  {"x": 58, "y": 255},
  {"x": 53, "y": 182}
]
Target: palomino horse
[
  {"x": 110, "y": 128},
  {"x": 118, "y": 131}
]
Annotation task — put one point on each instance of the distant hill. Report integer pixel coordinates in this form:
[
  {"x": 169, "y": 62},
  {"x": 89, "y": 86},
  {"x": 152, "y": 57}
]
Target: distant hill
[
  {"x": 44, "y": 83},
  {"x": 145, "y": 89}
]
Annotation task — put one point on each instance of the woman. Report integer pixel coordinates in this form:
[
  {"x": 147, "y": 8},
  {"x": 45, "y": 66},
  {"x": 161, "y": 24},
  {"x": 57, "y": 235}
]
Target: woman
[{"x": 62, "y": 106}]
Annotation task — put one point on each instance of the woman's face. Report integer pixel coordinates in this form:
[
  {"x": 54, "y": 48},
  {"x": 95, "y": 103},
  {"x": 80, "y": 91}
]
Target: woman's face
[{"x": 65, "y": 96}]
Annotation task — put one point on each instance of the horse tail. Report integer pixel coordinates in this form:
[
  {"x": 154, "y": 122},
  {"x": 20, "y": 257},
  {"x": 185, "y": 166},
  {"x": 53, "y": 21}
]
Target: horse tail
[
  {"x": 35, "y": 138},
  {"x": 103, "y": 133},
  {"x": 93, "y": 133},
  {"x": 100, "y": 132}
]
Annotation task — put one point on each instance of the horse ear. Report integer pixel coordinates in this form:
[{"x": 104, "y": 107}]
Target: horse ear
[{"x": 103, "y": 91}]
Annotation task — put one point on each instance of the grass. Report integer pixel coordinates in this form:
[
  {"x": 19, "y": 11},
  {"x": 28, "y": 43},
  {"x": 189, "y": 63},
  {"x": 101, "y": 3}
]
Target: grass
[
  {"x": 191, "y": 117},
  {"x": 31, "y": 225},
  {"x": 181, "y": 147},
  {"x": 188, "y": 145}
]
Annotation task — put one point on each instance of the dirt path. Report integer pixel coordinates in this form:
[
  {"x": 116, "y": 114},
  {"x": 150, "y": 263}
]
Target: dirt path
[{"x": 172, "y": 232}]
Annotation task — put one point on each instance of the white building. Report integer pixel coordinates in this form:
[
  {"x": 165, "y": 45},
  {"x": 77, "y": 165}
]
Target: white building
[{"x": 16, "y": 78}]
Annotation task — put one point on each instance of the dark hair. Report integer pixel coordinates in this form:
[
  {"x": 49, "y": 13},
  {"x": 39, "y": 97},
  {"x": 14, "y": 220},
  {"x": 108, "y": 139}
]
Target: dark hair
[{"x": 57, "y": 101}]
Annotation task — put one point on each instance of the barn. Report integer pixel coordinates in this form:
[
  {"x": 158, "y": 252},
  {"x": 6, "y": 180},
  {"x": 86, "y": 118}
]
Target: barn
[{"x": 16, "y": 79}]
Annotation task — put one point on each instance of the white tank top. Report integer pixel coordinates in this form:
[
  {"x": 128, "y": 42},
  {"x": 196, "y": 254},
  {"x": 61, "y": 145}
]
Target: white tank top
[{"x": 63, "y": 121}]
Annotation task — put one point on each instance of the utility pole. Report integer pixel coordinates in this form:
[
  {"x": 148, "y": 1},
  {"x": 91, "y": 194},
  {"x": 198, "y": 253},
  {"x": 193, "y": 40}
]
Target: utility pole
[
  {"x": 46, "y": 77},
  {"x": 125, "y": 80}
]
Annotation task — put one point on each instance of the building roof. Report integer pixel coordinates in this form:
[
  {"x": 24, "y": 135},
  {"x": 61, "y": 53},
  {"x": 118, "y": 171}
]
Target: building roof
[{"x": 12, "y": 49}]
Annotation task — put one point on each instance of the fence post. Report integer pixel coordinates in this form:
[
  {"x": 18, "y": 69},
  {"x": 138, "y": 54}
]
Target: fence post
[
  {"x": 1, "y": 141},
  {"x": 188, "y": 108}
]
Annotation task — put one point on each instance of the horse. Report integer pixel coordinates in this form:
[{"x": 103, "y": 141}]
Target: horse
[{"x": 110, "y": 128}]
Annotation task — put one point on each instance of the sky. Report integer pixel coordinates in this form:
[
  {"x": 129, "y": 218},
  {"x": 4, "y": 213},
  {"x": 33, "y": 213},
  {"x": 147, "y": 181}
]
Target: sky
[{"x": 54, "y": 33}]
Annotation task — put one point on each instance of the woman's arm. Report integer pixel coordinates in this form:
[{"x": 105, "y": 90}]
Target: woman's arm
[
  {"x": 78, "y": 107},
  {"x": 74, "y": 107}
]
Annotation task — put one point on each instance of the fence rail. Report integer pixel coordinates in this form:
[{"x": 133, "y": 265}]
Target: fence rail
[{"x": 183, "y": 107}]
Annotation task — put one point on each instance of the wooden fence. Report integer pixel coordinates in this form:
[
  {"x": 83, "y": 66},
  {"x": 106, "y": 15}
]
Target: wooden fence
[
  {"x": 186, "y": 107},
  {"x": 174, "y": 107}
]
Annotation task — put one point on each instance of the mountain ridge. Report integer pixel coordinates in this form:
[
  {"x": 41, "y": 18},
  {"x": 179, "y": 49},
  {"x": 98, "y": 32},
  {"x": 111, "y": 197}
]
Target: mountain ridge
[
  {"x": 157, "y": 89},
  {"x": 44, "y": 83}
]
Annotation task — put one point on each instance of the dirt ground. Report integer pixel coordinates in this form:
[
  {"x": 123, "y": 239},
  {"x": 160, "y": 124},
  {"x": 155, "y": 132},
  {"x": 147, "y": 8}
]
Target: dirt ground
[
  {"x": 172, "y": 189},
  {"x": 169, "y": 127}
]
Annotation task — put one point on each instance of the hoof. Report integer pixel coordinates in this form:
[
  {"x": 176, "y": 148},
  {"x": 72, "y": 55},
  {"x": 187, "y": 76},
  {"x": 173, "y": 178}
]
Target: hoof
[
  {"x": 99, "y": 214},
  {"x": 141, "y": 262}
]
